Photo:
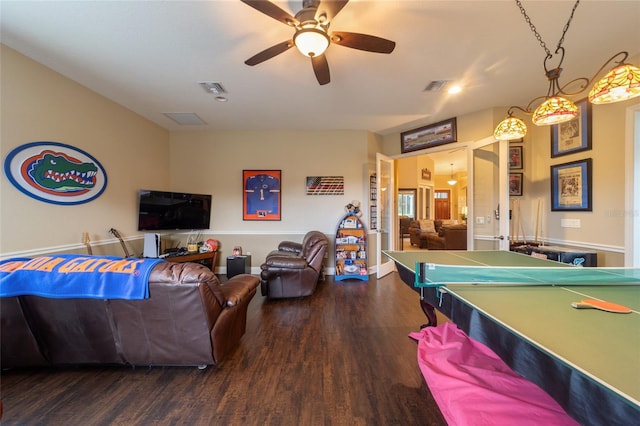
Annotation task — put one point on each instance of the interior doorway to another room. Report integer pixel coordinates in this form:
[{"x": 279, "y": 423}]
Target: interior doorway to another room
[
  {"x": 442, "y": 199},
  {"x": 425, "y": 189}
]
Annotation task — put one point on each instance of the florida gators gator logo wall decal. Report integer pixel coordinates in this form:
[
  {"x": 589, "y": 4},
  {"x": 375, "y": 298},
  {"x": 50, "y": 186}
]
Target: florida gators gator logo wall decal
[{"x": 55, "y": 173}]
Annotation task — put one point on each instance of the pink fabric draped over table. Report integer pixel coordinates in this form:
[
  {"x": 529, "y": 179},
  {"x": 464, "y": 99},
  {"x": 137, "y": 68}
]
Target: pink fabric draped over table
[{"x": 473, "y": 386}]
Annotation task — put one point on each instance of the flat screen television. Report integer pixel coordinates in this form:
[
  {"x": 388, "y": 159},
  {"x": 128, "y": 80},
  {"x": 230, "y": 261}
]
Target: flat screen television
[{"x": 164, "y": 211}]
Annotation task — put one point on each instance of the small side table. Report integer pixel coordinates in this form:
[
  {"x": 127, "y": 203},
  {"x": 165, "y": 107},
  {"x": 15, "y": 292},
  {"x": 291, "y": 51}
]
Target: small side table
[{"x": 238, "y": 265}]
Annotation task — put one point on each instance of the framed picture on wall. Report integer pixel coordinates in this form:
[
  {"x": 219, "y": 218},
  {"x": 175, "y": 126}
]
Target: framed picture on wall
[
  {"x": 428, "y": 136},
  {"x": 515, "y": 157},
  {"x": 515, "y": 184},
  {"x": 261, "y": 194},
  {"x": 575, "y": 135},
  {"x": 571, "y": 186}
]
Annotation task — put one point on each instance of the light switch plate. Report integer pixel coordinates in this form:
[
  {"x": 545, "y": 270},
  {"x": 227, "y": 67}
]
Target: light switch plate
[{"x": 570, "y": 223}]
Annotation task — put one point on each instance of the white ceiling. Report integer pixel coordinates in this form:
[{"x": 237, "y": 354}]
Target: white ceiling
[{"x": 150, "y": 55}]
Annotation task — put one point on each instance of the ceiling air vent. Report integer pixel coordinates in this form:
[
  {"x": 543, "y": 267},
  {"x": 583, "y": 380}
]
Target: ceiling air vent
[
  {"x": 185, "y": 118},
  {"x": 436, "y": 85}
]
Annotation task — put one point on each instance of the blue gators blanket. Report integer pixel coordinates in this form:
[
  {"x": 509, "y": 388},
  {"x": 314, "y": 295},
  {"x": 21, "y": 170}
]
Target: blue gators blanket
[{"x": 76, "y": 276}]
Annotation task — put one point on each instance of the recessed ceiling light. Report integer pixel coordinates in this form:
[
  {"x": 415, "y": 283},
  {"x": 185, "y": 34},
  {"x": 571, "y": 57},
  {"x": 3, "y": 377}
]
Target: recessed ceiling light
[
  {"x": 221, "y": 98},
  {"x": 213, "y": 87},
  {"x": 454, "y": 89}
]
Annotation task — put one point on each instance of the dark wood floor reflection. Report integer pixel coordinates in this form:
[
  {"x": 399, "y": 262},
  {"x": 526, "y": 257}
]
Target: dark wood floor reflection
[{"x": 339, "y": 357}]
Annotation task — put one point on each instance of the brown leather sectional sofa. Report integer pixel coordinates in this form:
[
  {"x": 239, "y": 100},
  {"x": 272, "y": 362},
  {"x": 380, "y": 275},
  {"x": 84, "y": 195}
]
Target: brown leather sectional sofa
[
  {"x": 436, "y": 235},
  {"x": 190, "y": 318}
]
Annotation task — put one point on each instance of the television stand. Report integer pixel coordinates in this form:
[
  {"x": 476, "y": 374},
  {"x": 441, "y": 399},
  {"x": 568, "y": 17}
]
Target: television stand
[{"x": 207, "y": 259}]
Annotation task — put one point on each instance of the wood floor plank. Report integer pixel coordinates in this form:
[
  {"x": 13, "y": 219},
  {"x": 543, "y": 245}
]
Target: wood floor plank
[{"x": 338, "y": 357}]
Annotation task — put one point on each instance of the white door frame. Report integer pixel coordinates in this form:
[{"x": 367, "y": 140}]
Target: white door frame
[
  {"x": 632, "y": 185},
  {"x": 385, "y": 211},
  {"x": 502, "y": 237}
]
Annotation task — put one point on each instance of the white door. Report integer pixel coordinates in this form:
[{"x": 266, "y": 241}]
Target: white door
[
  {"x": 385, "y": 235},
  {"x": 488, "y": 212}
]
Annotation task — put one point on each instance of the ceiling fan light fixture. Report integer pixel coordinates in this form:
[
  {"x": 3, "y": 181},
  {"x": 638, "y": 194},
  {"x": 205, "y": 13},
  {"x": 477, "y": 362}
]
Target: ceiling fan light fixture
[
  {"x": 311, "y": 41},
  {"x": 510, "y": 128},
  {"x": 620, "y": 84},
  {"x": 554, "y": 110}
]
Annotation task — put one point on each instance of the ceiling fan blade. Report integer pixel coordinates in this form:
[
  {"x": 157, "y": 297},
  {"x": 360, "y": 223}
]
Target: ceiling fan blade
[
  {"x": 329, "y": 9},
  {"x": 363, "y": 42},
  {"x": 272, "y": 10},
  {"x": 321, "y": 69},
  {"x": 269, "y": 53}
]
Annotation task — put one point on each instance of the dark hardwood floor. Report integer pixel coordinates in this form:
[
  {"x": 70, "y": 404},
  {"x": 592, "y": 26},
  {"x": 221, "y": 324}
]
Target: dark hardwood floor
[{"x": 338, "y": 357}]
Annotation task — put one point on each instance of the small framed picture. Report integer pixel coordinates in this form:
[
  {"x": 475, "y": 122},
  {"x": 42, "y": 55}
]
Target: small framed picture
[
  {"x": 572, "y": 136},
  {"x": 515, "y": 157},
  {"x": 515, "y": 184},
  {"x": 261, "y": 195},
  {"x": 571, "y": 186}
]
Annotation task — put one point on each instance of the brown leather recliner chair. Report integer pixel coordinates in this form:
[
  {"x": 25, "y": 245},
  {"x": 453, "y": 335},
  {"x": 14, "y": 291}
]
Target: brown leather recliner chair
[{"x": 295, "y": 268}]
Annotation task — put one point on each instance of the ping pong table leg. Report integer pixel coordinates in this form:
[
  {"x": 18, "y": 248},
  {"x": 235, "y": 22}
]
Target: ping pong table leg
[{"x": 430, "y": 312}]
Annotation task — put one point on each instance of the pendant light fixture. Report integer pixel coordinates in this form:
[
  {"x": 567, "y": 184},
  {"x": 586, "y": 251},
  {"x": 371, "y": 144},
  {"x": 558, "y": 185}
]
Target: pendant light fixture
[
  {"x": 452, "y": 181},
  {"x": 620, "y": 84},
  {"x": 510, "y": 128}
]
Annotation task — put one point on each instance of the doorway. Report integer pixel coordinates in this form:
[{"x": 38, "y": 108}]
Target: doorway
[{"x": 442, "y": 199}]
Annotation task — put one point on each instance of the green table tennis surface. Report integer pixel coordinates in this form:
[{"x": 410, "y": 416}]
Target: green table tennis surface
[{"x": 602, "y": 345}]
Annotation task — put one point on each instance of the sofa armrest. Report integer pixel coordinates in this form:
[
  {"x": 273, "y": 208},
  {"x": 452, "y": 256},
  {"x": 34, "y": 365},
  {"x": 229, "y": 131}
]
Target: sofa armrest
[
  {"x": 239, "y": 288},
  {"x": 290, "y": 247}
]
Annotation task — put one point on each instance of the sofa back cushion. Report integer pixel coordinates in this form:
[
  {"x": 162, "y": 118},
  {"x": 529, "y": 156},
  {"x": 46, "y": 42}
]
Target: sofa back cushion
[
  {"x": 314, "y": 247},
  {"x": 427, "y": 225}
]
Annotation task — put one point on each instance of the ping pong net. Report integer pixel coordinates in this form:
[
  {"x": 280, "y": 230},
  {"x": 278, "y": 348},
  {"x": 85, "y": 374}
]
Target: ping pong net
[{"x": 436, "y": 275}]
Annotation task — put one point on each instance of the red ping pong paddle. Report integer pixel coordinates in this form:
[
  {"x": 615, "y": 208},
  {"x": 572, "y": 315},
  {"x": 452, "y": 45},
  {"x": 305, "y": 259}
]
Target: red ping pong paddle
[{"x": 602, "y": 305}]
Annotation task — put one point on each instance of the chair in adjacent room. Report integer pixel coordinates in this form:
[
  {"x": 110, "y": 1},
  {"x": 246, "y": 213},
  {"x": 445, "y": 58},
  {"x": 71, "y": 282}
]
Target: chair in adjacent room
[
  {"x": 295, "y": 268},
  {"x": 405, "y": 221}
]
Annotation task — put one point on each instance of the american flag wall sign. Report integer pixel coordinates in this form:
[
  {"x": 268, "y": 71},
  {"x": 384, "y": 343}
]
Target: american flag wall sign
[{"x": 325, "y": 185}]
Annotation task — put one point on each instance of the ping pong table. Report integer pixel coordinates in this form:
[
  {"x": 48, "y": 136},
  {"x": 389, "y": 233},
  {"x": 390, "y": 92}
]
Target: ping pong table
[{"x": 520, "y": 307}]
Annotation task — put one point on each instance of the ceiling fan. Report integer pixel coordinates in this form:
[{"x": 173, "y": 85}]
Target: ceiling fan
[{"x": 312, "y": 35}]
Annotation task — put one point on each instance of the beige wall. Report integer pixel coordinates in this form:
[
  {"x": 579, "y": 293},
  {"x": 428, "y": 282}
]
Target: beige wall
[
  {"x": 41, "y": 105},
  {"x": 602, "y": 229},
  {"x": 212, "y": 163}
]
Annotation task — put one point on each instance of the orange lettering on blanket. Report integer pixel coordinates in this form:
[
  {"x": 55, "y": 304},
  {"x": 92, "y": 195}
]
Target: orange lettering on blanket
[
  {"x": 72, "y": 265},
  {"x": 44, "y": 264},
  {"x": 121, "y": 266},
  {"x": 11, "y": 266},
  {"x": 34, "y": 264},
  {"x": 86, "y": 264},
  {"x": 79, "y": 264}
]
